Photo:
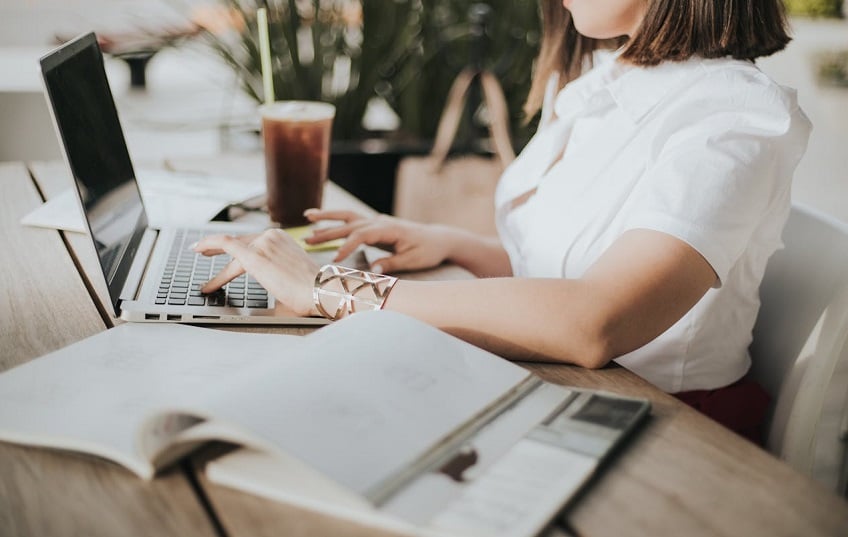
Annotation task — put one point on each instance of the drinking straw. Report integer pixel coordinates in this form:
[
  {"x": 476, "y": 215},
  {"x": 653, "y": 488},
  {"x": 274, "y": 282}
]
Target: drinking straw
[{"x": 265, "y": 54}]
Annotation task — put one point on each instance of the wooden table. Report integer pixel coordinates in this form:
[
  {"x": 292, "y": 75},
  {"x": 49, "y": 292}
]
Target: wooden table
[{"x": 681, "y": 475}]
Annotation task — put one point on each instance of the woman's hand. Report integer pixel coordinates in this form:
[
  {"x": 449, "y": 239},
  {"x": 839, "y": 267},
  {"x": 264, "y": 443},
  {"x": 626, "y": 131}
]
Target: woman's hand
[
  {"x": 273, "y": 258},
  {"x": 414, "y": 246}
]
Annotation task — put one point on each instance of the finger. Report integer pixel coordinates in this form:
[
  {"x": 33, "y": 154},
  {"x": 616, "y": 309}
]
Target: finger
[
  {"x": 315, "y": 215},
  {"x": 203, "y": 245},
  {"x": 394, "y": 263},
  {"x": 274, "y": 236},
  {"x": 365, "y": 235},
  {"x": 349, "y": 246},
  {"x": 244, "y": 256},
  {"x": 208, "y": 252},
  {"x": 382, "y": 265},
  {"x": 331, "y": 233},
  {"x": 231, "y": 270}
]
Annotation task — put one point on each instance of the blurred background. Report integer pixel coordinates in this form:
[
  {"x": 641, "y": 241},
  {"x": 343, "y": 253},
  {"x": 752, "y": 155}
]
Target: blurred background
[{"x": 185, "y": 77}]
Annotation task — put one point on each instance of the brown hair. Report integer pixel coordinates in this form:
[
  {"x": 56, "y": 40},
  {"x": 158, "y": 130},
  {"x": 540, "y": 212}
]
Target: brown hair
[{"x": 671, "y": 30}]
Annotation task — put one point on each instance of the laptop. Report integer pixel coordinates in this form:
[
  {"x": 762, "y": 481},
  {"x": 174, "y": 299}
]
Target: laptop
[{"x": 152, "y": 274}]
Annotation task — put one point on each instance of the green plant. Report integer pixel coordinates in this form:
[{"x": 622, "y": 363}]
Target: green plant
[
  {"x": 446, "y": 43},
  {"x": 408, "y": 52},
  {"x": 329, "y": 51},
  {"x": 815, "y": 8},
  {"x": 832, "y": 68}
]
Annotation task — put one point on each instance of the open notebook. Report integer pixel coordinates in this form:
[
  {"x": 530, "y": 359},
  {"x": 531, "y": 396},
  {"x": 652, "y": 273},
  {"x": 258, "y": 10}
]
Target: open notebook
[{"x": 378, "y": 417}]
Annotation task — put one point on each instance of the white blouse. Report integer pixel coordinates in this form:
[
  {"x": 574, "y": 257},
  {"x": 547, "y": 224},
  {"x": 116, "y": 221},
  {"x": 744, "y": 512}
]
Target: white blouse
[{"x": 703, "y": 150}]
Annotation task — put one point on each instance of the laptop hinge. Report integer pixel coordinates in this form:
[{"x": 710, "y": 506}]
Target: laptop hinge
[{"x": 139, "y": 265}]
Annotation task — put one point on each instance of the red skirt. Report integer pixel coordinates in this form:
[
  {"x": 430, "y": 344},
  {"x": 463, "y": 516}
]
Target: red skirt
[{"x": 741, "y": 407}]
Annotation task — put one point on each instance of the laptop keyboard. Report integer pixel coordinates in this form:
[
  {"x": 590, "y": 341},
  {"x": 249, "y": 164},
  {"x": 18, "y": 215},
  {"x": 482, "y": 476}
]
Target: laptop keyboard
[{"x": 186, "y": 272}]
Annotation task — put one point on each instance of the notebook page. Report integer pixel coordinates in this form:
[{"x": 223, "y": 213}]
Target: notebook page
[
  {"x": 92, "y": 396},
  {"x": 369, "y": 395}
]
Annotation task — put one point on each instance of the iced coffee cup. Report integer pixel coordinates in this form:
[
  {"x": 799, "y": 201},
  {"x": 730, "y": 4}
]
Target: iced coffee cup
[{"x": 296, "y": 135}]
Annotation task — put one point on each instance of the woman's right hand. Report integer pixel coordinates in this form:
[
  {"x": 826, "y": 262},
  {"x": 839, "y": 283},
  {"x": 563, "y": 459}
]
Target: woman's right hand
[{"x": 413, "y": 246}]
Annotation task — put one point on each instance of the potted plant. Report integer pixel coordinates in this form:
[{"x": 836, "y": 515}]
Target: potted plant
[{"x": 398, "y": 56}]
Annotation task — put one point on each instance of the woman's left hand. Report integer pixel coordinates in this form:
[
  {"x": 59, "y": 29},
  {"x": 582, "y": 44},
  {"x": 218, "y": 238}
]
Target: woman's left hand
[{"x": 273, "y": 258}]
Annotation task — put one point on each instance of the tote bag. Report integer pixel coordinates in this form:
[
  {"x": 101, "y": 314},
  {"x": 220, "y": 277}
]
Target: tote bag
[{"x": 457, "y": 191}]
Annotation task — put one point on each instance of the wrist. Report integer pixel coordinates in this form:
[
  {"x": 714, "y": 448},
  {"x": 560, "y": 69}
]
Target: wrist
[
  {"x": 454, "y": 240},
  {"x": 340, "y": 291}
]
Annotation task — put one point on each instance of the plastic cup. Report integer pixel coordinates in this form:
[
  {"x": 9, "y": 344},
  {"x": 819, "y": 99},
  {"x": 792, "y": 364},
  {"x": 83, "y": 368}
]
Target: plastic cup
[{"x": 296, "y": 135}]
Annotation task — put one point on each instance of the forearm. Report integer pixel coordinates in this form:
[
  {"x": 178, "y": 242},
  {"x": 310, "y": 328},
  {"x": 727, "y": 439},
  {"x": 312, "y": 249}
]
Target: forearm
[
  {"x": 482, "y": 256},
  {"x": 621, "y": 303},
  {"x": 643, "y": 284},
  {"x": 522, "y": 319}
]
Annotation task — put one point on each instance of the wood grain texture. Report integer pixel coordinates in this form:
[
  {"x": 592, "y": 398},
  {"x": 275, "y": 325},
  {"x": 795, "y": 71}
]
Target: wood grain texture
[
  {"x": 45, "y": 306},
  {"x": 50, "y": 492},
  {"x": 52, "y": 179}
]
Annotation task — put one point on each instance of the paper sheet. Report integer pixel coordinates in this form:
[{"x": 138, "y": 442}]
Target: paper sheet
[
  {"x": 390, "y": 389},
  {"x": 60, "y": 212},
  {"x": 170, "y": 199},
  {"x": 95, "y": 394}
]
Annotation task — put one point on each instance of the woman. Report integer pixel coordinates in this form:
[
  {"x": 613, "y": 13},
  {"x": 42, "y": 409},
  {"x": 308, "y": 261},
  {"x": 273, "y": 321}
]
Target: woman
[{"x": 634, "y": 226}]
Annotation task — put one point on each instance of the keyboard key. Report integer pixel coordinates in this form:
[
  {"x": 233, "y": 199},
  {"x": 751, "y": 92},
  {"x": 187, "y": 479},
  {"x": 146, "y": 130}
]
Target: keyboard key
[
  {"x": 160, "y": 300},
  {"x": 236, "y": 302},
  {"x": 197, "y": 301},
  {"x": 257, "y": 304},
  {"x": 216, "y": 300},
  {"x": 176, "y": 301}
]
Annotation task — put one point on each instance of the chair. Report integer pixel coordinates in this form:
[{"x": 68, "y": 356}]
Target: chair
[{"x": 800, "y": 347}]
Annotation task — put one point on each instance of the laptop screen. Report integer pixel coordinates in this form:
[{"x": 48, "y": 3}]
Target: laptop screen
[{"x": 88, "y": 125}]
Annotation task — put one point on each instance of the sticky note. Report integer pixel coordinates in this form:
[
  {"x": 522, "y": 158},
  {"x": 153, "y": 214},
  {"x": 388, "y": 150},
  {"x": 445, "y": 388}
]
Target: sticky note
[{"x": 300, "y": 233}]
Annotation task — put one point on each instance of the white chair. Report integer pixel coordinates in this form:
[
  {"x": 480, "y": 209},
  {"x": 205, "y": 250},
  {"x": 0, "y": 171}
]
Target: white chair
[{"x": 800, "y": 347}]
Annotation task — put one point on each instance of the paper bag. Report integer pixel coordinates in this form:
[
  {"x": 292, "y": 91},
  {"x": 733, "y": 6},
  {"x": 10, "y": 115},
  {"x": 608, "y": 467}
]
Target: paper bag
[{"x": 457, "y": 191}]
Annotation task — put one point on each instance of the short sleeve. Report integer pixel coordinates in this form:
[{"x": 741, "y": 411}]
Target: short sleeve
[{"x": 718, "y": 167}]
